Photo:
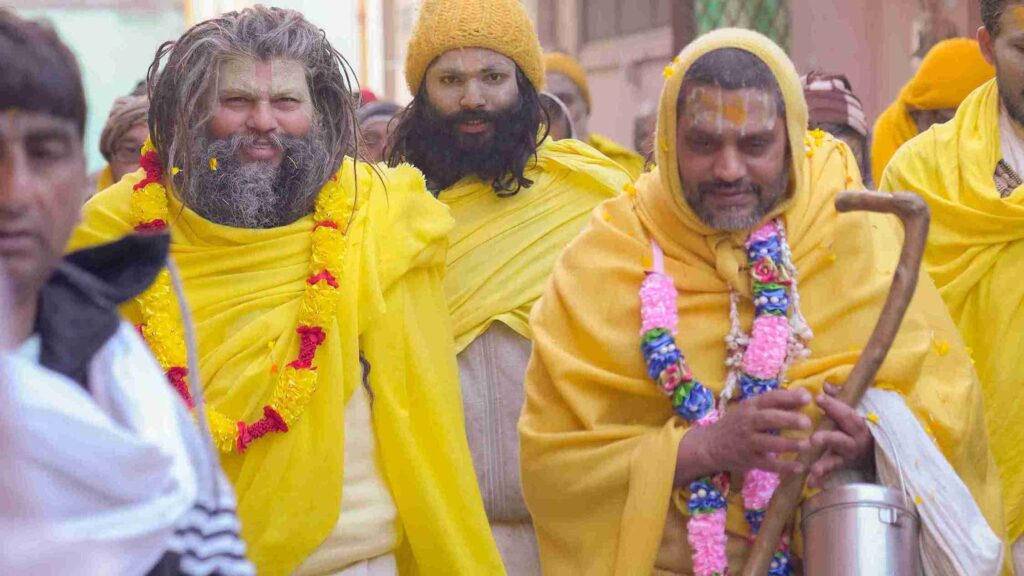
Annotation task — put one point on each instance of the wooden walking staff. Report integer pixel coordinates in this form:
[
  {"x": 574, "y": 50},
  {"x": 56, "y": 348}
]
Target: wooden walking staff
[{"x": 913, "y": 211}]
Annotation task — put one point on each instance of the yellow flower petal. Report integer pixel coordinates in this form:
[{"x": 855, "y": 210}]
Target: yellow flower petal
[
  {"x": 630, "y": 189},
  {"x": 873, "y": 418},
  {"x": 646, "y": 262},
  {"x": 175, "y": 170},
  {"x": 213, "y": 164},
  {"x": 668, "y": 72},
  {"x": 918, "y": 500},
  {"x": 832, "y": 257}
]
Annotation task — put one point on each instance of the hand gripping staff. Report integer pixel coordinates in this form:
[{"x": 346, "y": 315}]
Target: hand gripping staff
[{"x": 914, "y": 213}]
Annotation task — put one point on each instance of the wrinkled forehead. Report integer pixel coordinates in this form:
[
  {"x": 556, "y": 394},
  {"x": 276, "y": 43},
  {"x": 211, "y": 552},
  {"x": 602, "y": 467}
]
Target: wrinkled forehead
[
  {"x": 251, "y": 76},
  {"x": 712, "y": 109},
  {"x": 470, "y": 61}
]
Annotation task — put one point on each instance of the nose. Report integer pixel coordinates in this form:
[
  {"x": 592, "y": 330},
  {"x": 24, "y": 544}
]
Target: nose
[
  {"x": 262, "y": 118},
  {"x": 729, "y": 165},
  {"x": 473, "y": 96},
  {"x": 16, "y": 180}
]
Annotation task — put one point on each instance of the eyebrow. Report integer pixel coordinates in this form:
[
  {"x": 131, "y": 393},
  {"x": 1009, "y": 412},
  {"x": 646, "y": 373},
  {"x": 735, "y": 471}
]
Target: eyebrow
[{"x": 485, "y": 70}]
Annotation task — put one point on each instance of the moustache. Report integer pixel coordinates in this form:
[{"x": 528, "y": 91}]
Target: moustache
[
  {"x": 471, "y": 116},
  {"x": 722, "y": 187}
]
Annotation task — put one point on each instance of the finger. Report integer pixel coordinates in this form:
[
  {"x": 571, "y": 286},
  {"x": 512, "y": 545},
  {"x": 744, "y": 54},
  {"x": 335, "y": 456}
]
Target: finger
[
  {"x": 773, "y": 444},
  {"x": 783, "y": 399},
  {"x": 846, "y": 418},
  {"x": 771, "y": 420},
  {"x": 821, "y": 469},
  {"x": 830, "y": 389},
  {"x": 836, "y": 442}
]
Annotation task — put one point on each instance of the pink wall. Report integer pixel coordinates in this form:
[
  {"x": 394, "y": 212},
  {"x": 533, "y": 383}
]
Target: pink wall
[{"x": 868, "y": 40}]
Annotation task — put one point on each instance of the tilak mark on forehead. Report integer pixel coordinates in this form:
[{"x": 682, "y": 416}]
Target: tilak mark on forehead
[{"x": 715, "y": 110}]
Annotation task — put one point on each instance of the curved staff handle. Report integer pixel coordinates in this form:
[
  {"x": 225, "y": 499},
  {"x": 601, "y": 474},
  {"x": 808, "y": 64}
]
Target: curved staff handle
[{"x": 914, "y": 213}]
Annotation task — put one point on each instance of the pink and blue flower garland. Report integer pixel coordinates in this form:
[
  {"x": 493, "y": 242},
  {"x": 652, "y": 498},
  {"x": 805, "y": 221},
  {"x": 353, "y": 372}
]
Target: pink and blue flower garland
[{"x": 762, "y": 368}]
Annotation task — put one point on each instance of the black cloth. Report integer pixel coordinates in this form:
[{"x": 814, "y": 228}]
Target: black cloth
[{"x": 78, "y": 312}]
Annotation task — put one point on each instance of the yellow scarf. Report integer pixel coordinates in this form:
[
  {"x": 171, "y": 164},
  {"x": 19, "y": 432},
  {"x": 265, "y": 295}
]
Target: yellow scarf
[
  {"x": 502, "y": 249},
  {"x": 950, "y": 71},
  {"x": 105, "y": 179},
  {"x": 595, "y": 422},
  {"x": 974, "y": 254},
  {"x": 630, "y": 160},
  {"x": 244, "y": 287}
]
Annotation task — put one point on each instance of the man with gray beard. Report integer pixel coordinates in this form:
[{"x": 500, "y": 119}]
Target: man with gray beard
[{"x": 314, "y": 282}]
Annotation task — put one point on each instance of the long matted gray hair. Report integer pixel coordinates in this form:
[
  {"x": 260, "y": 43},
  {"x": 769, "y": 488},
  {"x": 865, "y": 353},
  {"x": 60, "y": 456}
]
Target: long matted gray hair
[{"x": 182, "y": 94}]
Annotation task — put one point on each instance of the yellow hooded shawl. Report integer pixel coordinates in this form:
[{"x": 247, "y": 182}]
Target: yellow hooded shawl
[
  {"x": 949, "y": 72},
  {"x": 974, "y": 254},
  {"x": 599, "y": 440},
  {"x": 630, "y": 160},
  {"x": 502, "y": 249},
  {"x": 244, "y": 288}
]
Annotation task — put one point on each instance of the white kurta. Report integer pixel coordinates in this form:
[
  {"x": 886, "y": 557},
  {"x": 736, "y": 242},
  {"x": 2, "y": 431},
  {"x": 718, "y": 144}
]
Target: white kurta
[{"x": 492, "y": 369}]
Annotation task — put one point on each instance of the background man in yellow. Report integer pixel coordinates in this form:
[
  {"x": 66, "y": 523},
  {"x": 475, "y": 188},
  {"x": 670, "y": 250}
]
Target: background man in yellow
[
  {"x": 969, "y": 171},
  {"x": 951, "y": 70},
  {"x": 518, "y": 198},
  {"x": 740, "y": 209},
  {"x": 315, "y": 286},
  {"x": 568, "y": 80}
]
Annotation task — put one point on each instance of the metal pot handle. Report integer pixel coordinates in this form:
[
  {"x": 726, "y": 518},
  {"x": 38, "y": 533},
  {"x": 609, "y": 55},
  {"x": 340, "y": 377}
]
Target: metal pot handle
[{"x": 896, "y": 459}]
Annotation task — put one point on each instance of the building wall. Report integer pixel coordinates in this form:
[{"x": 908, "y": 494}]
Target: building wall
[{"x": 868, "y": 40}]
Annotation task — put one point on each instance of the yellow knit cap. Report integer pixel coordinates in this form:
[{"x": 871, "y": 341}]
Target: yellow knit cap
[
  {"x": 499, "y": 25},
  {"x": 560, "y": 63}
]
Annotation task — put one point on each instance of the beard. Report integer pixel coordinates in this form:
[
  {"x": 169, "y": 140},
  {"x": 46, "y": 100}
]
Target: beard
[
  {"x": 738, "y": 218},
  {"x": 1013, "y": 103},
  {"x": 256, "y": 194},
  {"x": 445, "y": 155}
]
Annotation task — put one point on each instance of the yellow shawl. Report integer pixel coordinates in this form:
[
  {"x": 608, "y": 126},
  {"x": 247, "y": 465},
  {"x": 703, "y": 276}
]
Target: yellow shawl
[
  {"x": 244, "y": 287},
  {"x": 502, "y": 249},
  {"x": 599, "y": 440},
  {"x": 975, "y": 251},
  {"x": 630, "y": 160},
  {"x": 950, "y": 71}
]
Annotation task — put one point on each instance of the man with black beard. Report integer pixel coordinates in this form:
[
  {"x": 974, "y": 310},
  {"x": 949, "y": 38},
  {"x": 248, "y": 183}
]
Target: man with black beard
[
  {"x": 518, "y": 198},
  {"x": 315, "y": 285}
]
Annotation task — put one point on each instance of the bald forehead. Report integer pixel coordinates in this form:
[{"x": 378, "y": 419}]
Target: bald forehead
[{"x": 471, "y": 62}]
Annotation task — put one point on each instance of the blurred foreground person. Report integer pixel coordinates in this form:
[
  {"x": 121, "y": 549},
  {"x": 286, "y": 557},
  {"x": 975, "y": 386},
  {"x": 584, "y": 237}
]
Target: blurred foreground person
[
  {"x": 970, "y": 172},
  {"x": 315, "y": 282},
  {"x": 475, "y": 129},
  {"x": 694, "y": 320},
  {"x": 951, "y": 70},
  {"x": 104, "y": 471},
  {"x": 833, "y": 107},
  {"x": 567, "y": 80}
]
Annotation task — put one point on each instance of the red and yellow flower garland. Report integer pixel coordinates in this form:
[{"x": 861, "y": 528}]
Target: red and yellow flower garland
[{"x": 162, "y": 328}]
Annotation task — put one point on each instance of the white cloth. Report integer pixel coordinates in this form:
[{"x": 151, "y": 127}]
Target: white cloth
[
  {"x": 379, "y": 566},
  {"x": 367, "y": 527},
  {"x": 492, "y": 370},
  {"x": 100, "y": 480},
  {"x": 1011, "y": 143},
  {"x": 956, "y": 540}
]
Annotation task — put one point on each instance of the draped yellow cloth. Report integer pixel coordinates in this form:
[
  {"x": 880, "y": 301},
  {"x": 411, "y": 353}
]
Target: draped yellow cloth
[
  {"x": 630, "y": 160},
  {"x": 105, "y": 179},
  {"x": 974, "y": 254},
  {"x": 244, "y": 288},
  {"x": 599, "y": 439},
  {"x": 502, "y": 249},
  {"x": 950, "y": 71}
]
